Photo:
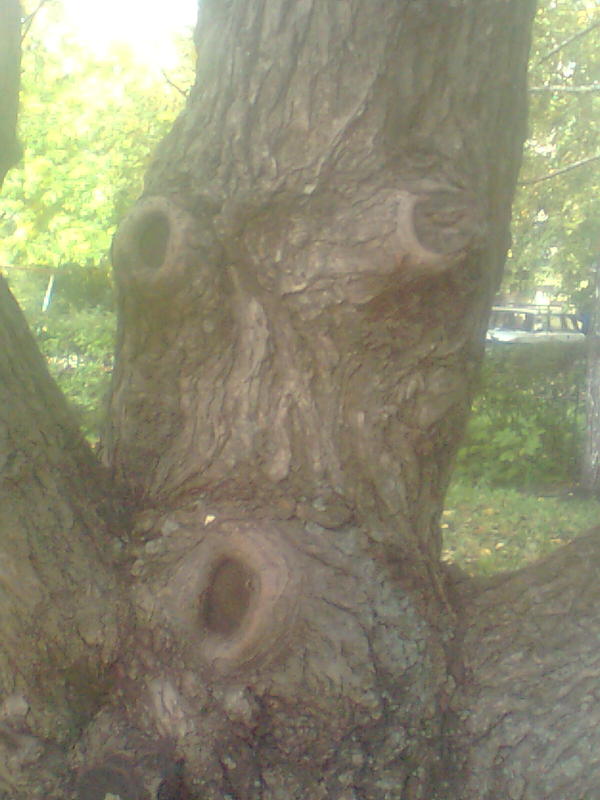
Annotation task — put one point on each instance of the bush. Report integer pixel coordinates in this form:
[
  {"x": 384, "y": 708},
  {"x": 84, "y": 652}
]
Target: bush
[
  {"x": 527, "y": 423},
  {"x": 79, "y": 351},
  {"x": 75, "y": 333}
]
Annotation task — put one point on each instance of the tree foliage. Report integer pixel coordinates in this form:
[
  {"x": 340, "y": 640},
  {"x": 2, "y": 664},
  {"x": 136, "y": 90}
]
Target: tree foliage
[
  {"x": 556, "y": 209},
  {"x": 526, "y": 428},
  {"x": 88, "y": 129}
]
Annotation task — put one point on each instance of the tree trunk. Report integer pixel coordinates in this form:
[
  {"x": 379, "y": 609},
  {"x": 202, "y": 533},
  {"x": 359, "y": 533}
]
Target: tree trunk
[
  {"x": 303, "y": 290},
  {"x": 590, "y": 473},
  {"x": 10, "y": 61}
]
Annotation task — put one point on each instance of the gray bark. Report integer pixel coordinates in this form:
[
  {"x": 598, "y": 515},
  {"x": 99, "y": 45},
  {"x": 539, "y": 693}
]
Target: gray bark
[
  {"x": 525, "y": 716},
  {"x": 590, "y": 473},
  {"x": 61, "y": 607},
  {"x": 10, "y": 59},
  {"x": 303, "y": 291}
]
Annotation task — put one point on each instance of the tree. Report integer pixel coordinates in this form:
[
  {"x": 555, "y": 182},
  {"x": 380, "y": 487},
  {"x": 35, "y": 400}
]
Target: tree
[
  {"x": 10, "y": 57},
  {"x": 590, "y": 467},
  {"x": 303, "y": 290},
  {"x": 555, "y": 218},
  {"x": 556, "y": 205}
]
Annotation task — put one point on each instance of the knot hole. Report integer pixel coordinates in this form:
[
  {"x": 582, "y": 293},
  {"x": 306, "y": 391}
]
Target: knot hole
[
  {"x": 153, "y": 237},
  {"x": 227, "y": 599}
]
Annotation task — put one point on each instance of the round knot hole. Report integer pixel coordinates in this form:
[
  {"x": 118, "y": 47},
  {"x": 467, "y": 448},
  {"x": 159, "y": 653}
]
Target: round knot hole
[
  {"x": 153, "y": 237},
  {"x": 227, "y": 599}
]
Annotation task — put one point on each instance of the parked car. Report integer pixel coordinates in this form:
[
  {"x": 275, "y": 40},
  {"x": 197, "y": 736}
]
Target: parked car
[{"x": 531, "y": 325}]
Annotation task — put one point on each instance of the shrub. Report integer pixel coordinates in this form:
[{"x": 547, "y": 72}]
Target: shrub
[{"x": 528, "y": 416}]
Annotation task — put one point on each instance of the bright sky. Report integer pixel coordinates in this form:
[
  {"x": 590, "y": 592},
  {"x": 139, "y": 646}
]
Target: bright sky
[{"x": 147, "y": 26}]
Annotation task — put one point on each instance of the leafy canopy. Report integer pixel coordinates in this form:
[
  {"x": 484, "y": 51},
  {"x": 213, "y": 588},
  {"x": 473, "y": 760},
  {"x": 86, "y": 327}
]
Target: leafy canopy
[
  {"x": 556, "y": 234},
  {"x": 88, "y": 128}
]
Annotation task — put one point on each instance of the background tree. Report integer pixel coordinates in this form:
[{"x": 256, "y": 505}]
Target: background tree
[
  {"x": 555, "y": 225},
  {"x": 10, "y": 58},
  {"x": 555, "y": 214},
  {"x": 590, "y": 474},
  {"x": 539, "y": 435},
  {"x": 303, "y": 291}
]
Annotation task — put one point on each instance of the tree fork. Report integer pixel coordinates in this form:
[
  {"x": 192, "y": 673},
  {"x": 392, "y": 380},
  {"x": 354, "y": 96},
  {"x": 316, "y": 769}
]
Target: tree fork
[{"x": 303, "y": 291}]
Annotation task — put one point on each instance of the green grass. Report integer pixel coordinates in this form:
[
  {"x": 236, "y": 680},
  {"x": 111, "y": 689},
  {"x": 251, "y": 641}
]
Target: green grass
[{"x": 488, "y": 530}]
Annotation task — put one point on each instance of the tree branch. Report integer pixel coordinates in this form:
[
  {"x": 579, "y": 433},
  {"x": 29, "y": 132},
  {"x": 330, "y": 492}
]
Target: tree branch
[
  {"x": 566, "y": 42},
  {"x": 28, "y": 20},
  {"x": 583, "y": 89},
  {"x": 561, "y": 171},
  {"x": 174, "y": 85}
]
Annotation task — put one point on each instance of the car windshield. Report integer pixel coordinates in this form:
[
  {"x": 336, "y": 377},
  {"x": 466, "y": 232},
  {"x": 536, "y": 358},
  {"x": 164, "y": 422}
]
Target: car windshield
[
  {"x": 508, "y": 319},
  {"x": 512, "y": 320}
]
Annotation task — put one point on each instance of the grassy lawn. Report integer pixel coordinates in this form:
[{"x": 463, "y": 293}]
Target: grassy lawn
[{"x": 487, "y": 530}]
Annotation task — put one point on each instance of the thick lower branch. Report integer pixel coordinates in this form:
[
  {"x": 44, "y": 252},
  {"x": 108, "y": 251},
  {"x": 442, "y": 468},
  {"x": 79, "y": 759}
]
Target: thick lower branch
[
  {"x": 60, "y": 603},
  {"x": 527, "y": 712}
]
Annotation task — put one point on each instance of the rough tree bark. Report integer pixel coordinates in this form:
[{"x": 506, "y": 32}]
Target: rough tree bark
[
  {"x": 303, "y": 290},
  {"x": 10, "y": 63},
  {"x": 590, "y": 468},
  {"x": 61, "y": 602}
]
